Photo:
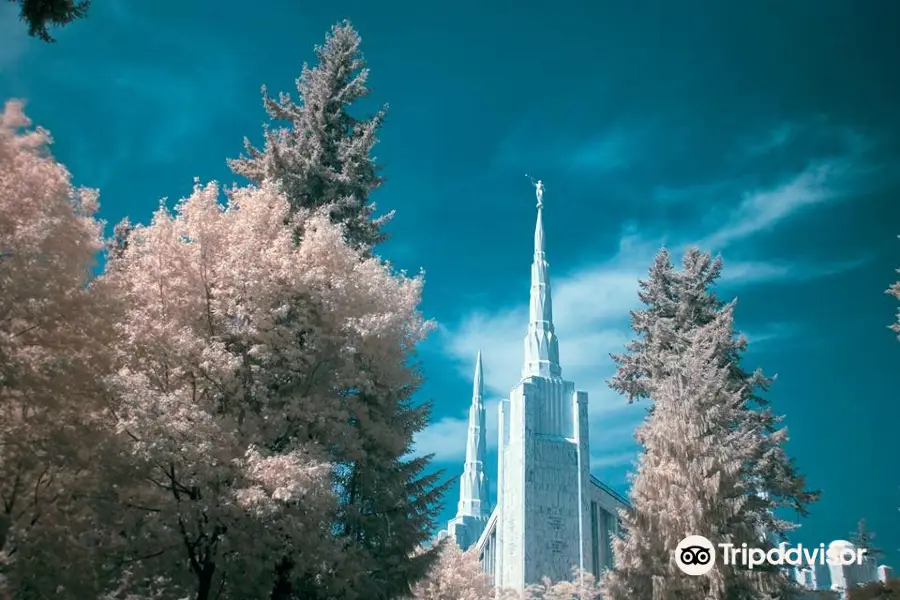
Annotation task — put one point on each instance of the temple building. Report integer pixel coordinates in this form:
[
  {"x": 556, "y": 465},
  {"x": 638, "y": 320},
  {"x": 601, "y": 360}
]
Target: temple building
[{"x": 551, "y": 514}]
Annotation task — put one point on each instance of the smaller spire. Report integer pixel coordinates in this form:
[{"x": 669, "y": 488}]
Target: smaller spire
[{"x": 473, "y": 500}]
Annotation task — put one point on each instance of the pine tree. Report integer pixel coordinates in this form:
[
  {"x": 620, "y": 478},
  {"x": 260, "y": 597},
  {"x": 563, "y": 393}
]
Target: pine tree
[
  {"x": 39, "y": 15},
  {"x": 691, "y": 480},
  {"x": 388, "y": 505},
  {"x": 677, "y": 305},
  {"x": 323, "y": 157},
  {"x": 864, "y": 539}
]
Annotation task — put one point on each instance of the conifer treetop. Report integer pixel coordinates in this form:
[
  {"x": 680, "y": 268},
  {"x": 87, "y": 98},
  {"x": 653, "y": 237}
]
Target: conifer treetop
[
  {"x": 713, "y": 460},
  {"x": 318, "y": 152}
]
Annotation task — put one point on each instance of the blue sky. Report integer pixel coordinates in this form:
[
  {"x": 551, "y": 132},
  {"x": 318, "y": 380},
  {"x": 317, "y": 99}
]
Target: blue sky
[{"x": 764, "y": 130}]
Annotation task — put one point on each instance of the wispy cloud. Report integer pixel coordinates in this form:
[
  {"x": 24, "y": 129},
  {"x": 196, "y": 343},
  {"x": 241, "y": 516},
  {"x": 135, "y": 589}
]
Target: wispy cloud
[
  {"x": 775, "y": 138},
  {"x": 174, "y": 103},
  {"x": 445, "y": 438},
  {"x": 750, "y": 272},
  {"x": 771, "y": 332},
  {"x": 617, "y": 459},
  {"x": 612, "y": 150},
  {"x": 762, "y": 209},
  {"x": 694, "y": 193}
]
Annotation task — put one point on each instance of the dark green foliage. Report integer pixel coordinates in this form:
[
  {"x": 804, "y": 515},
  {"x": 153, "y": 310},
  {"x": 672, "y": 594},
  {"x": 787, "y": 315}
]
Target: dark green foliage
[
  {"x": 876, "y": 591},
  {"x": 864, "y": 539},
  {"x": 388, "y": 507},
  {"x": 321, "y": 158},
  {"x": 39, "y": 15},
  {"x": 318, "y": 152}
]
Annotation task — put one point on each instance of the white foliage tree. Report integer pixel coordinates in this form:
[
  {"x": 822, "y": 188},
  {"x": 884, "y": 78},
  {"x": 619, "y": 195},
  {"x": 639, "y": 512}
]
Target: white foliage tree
[
  {"x": 690, "y": 481},
  {"x": 582, "y": 586},
  {"x": 53, "y": 340},
  {"x": 320, "y": 153},
  {"x": 242, "y": 358},
  {"x": 456, "y": 575},
  {"x": 679, "y": 305}
]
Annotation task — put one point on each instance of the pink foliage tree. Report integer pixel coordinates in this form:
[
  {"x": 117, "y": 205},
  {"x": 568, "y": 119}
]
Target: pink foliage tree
[
  {"x": 456, "y": 575},
  {"x": 53, "y": 340},
  {"x": 242, "y": 356},
  {"x": 582, "y": 586}
]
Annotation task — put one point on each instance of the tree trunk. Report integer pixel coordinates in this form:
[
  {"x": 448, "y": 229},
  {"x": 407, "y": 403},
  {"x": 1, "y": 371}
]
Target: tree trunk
[{"x": 205, "y": 579}]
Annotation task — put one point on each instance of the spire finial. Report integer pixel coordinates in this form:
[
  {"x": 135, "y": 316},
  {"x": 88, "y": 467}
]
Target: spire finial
[
  {"x": 538, "y": 190},
  {"x": 541, "y": 346}
]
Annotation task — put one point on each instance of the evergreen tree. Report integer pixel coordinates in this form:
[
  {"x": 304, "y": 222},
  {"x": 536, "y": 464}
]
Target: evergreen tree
[
  {"x": 691, "y": 480},
  {"x": 864, "y": 539},
  {"x": 39, "y": 15},
  {"x": 388, "y": 505},
  {"x": 323, "y": 156},
  {"x": 678, "y": 304}
]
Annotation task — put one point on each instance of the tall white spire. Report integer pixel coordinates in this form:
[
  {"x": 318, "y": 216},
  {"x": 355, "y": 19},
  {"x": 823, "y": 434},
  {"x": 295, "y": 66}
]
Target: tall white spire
[
  {"x": 541, "y": 345},
  {"x": 473, "y": 499}
]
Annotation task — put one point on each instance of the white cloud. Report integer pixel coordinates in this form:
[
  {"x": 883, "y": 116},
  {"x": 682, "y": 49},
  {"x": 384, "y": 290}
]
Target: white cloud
[
  {"x": 591, "y": 307},
  {"x": 617, "y": 459},
  {"x": 693, "y": 193},
  {"x": 761, "y": 210},
  {"x": 446, "y": 438},
  {"x": 749, "y": 272},
  {"x": 775, "y": 138},
  {"x": 771, "y": 332},
  {"x": 615, "y": 149}
]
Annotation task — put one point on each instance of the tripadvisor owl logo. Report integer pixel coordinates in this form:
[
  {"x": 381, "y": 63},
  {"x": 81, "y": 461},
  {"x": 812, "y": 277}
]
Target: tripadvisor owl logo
[{"x": 695, "y": 555}]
